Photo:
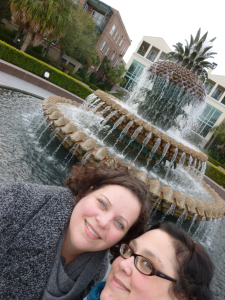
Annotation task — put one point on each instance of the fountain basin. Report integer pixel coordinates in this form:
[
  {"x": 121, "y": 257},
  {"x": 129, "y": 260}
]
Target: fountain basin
[{"x": 86, "y": 149}]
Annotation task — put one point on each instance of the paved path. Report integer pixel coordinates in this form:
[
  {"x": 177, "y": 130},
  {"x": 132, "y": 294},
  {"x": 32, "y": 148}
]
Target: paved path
[
  {"x": 10, "y": 81},
  {"x": 22, "y": 80}
]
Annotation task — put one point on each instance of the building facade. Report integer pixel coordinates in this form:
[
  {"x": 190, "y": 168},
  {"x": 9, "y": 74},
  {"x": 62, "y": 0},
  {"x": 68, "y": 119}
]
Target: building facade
[
  {"x": 113, "y": 40},
  {"x": 152, "y": 49}
]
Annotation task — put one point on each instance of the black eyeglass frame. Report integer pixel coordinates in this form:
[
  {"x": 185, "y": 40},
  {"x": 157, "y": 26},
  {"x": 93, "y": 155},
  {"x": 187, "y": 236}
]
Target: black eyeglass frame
[{"x": 154, "y": 271}]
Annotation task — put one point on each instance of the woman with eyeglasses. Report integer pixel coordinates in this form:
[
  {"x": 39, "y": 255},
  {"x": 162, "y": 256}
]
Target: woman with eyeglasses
[
  {"x": 54, "y": 241},
  {"x": 163, "y": 264}
]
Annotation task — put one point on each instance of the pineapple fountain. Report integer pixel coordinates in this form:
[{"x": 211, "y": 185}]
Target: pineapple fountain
[{"x": 172, "y": 170}]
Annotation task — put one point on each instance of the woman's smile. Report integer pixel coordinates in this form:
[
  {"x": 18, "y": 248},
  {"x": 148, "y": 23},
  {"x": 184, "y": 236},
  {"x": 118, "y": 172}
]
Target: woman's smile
[{"x": 91, "y": 232}]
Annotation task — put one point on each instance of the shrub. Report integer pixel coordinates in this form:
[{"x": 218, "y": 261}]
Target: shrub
[
  {"x": 83, "y": 72},
  {"x": 214, "y": 162},
  {"x": 93, "y": 87},
  {"x": 31, "y": 64},
  {"x": 101, "y": 85},
  {"x": 216, "y": 174},
  {"x": 75, "y": 76},
  {"x": 93, "y": 78},
  {"x": 4, "y": 37}
]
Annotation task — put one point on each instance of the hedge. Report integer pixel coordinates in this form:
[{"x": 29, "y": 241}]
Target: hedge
[
  {"x": 33, "y": 65},
  {"x": 215, "y": 173},
  {"x": 214, "y": 162}
]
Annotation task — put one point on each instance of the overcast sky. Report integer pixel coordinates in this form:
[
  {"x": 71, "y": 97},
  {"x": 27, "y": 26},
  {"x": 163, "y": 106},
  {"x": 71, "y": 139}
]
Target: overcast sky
[{"x": 175, "y": 21}]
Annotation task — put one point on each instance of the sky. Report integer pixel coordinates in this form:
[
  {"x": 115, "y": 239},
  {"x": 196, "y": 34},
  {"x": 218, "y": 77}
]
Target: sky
[{"x": 174, "y": 21}]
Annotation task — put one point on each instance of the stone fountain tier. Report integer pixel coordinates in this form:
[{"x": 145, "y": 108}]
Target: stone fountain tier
[
  {"x": 147, "y": 128},
  {"x": 84, "y": 148},
  {"x": 181, "y": 77}
]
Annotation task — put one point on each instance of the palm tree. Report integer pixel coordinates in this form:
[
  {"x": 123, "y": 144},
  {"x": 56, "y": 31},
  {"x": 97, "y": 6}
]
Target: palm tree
[
  {"x": 42, "y": 18},
  {"x": 115, "y": 74},
  {"x": 193, "y": 56},
  {"x": 218, "y": 135}
]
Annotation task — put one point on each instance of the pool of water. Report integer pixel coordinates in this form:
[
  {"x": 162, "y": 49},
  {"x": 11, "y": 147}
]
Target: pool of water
[{"x": 26, "y": 155}]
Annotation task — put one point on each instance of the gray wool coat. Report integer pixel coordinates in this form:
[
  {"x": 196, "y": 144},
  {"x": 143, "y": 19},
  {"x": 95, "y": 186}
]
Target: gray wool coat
[{"x": 32, "y": 218}]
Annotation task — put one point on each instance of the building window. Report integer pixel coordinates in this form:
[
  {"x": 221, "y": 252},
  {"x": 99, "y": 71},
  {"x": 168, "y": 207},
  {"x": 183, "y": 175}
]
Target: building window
[
  {"x": 98, "y": 18},
  {"x": 223, "y": 100},
  {"x": 208, "y": 88},
  {"x": 152, "y": 55},
  {"x": 103, "y": 46},
  {"x": 133, "y": 74},
  {"x": 143, "y": 48},
  {"x": 113, "y": 56},
  {"x": 115, "y": 62},
  {"x": 216, "y": 94},
  {"x": 112, "y": 30},
  {"x": 207, "y": 120},
  {"x": 63, "y": 61},
  {"x": 85, "y": 7},
  {"x": 72, "y": 65},
  {"x": 107, "y": 50},
  {"x": 115, "y": 35},
  {"x": 118, "y": 39},
  {"x": 109, "y": 53},
  {"x": 98, "y": 66},
  {"x": 162, "y": 56},
  {"x": 121, "y": 42}
]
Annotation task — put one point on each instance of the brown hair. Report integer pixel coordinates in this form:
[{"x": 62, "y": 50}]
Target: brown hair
[
  {"x": 99, "y": 175},
  {"x": 195, "y": 268}
]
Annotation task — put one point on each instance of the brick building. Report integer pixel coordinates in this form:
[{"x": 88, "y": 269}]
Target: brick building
[{"x": 114, "y": 39}]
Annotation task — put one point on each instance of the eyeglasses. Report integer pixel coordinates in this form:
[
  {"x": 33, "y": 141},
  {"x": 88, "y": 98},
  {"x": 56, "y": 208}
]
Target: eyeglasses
[{"x": 142, "y": 264}]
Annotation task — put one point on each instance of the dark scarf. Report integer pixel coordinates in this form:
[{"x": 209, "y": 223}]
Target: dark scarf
[
  {"x": 32, "y": 219},
  {"x": 96, "y": 291}
]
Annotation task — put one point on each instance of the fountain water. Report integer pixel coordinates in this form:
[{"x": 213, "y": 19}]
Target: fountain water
[
  {"x": 20, "y": 151},
  {"x": 117, "y": 126}
]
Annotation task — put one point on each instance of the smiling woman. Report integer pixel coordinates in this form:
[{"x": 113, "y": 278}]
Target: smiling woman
[
  {"x": 163, "y": 264},
  {"x": 54, "y": 241}
]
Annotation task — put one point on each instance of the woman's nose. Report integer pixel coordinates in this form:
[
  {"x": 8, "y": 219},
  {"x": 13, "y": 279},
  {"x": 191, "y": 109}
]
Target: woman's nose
[
  {"x": 126, "y": 265},
  {"x": 103, "y": 221}
]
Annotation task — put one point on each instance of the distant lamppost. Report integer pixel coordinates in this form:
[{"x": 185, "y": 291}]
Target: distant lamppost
[{"x": 46, "y": 74}]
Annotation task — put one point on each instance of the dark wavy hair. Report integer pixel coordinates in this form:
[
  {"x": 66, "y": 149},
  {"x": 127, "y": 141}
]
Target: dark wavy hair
[
  {"x": 95, "y": 175},
  {"x": 195, "y": 268}
]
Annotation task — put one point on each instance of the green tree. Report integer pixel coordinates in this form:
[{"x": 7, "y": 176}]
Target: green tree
[
  {"x": 5, "y": 9},
  {"x": 218, "y": 137},
  {"x": 193, "y": 56},
  {"x": 105, "y": 67},
  {"x": 80, "y": 39},
  {"x": 42, "y": 18},
  {"x": 115, "y": 74}
]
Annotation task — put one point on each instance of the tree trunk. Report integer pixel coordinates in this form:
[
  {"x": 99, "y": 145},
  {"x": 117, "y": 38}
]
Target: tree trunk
[
  {"x": 26, "y": 42},
  {"x": 19, "y": 33},
  {"x": 213, "y": 139}
]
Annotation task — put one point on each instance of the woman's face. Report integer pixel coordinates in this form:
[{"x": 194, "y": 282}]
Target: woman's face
[
  {"x": 101, "y": 219},
  {"x": 126, "y": 282}
]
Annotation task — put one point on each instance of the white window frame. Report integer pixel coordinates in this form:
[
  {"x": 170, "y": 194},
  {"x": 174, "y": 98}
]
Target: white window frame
[
  {"x": 98, "y": 66},
  {"x": 107, "y": 50},
  {"x": 110, "y": 53},
  {"x": 103, "y": 46},
  {"x": 116, "y": 35},
  {"x": 113, "y": 56},
  {"x": 86, "y": 7},
  {"x": 118, "y": 39},
  {"x": 112, "y": 29},
  {"x": 121, "y": 42},
  {"x": 115, "y": 62}
]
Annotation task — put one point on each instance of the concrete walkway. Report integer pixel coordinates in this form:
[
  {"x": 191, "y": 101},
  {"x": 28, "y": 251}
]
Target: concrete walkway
[
  {"x": 19, "y": 79},
  {"x": 15, "y": 83}
]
